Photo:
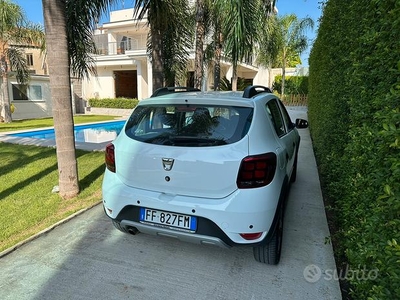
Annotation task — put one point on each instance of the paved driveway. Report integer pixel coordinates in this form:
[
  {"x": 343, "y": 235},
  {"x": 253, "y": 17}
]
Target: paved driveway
[{"x": 86, "y": 258}]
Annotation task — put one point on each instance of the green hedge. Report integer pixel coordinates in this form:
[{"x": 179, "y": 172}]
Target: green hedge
[
  {"x": 125, "y": 103},
  {"x": 294, "y": 85},
  {"x": 354, "y": 114}
]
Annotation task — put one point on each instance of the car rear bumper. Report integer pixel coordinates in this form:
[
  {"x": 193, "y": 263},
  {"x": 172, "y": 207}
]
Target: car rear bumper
[
  {"x": 180, "y": 235},
  {"x": 222, "y": 221}
]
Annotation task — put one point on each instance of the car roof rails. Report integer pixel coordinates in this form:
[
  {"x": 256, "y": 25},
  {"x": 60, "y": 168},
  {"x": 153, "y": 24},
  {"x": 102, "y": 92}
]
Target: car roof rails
[
  {"x": 253, "y": 90},
  {"x": 173, "y": 89}
]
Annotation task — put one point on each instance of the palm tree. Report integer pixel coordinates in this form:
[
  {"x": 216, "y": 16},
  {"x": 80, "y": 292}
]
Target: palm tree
[
  {"x": 69, "y": 42},
  {"x": 239, "y": 30},
  {"x": 170, "y": 37},
  {"x": 240, "y": 27},
  {"x": 212, "y": 55},
  {"x": 268, "y": 49},
  {"x": 206, "y": 25},
  {"x": 60, "y": 86},
  {"x": 15, "y": 31},
  {"x": 208, "y": 54},
  {"x": 287, "y": 42},
  {"x": 177, "y": 39},
  {"x": 200, "y": 36},
  {"x": 216, "y": 13}
]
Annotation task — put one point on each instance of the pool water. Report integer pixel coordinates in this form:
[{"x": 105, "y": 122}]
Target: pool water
[{"x": 89, "y": 133}]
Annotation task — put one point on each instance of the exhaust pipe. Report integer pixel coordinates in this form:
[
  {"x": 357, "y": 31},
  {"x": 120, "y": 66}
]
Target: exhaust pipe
[{"x": 133, "y": 230}]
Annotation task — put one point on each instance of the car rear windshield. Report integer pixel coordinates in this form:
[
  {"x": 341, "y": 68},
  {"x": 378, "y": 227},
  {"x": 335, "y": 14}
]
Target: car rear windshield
[{"x": 189, "y": 125}]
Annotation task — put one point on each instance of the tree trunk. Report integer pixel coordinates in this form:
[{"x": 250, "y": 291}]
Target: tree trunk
[
  {"x": 5, "y": 111},
  {"x": 234, "y": 77},
  {"x": 283, "y": 74},
  {"x": 156, "y": 60},
  {"x": 60, "y": 89},
  {"x": 217, "y": 63},
  {"x": 283, "y": 82},
  {"x": 200, "y": 29}
]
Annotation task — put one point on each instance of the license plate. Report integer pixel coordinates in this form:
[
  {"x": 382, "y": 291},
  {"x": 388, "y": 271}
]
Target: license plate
[{"x": 168, "y": 219}]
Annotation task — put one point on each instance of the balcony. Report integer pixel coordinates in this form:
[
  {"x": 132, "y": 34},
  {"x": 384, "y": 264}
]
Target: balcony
[{"x": 122, "y": 46}]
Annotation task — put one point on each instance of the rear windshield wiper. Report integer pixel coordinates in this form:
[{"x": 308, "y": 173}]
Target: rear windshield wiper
[
  {"x": 190, "y": 141},
  {"x": 196, "y": 141}
]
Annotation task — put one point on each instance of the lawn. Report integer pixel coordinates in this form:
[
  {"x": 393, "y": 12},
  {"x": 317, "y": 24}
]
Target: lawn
[{"x": 27, "y": 177}]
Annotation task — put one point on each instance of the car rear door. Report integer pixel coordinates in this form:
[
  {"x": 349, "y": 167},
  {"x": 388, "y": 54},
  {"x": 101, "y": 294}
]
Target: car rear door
[
  {"x": 191, "y": 150},
  {"x": 285, "y": 132}
]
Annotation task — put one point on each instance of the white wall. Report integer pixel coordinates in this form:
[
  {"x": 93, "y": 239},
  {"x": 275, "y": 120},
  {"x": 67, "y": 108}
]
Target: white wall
[
  {"x": 34, "y": 108},
  {"x": 121, "y": 15},
  {"x": 31, "y": 109},
  {"x": 101, "y": 86},
  {"x": 262, "y": 77}
]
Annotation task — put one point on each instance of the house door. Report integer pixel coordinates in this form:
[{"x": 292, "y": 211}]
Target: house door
[{"x": 126, "y": 84}]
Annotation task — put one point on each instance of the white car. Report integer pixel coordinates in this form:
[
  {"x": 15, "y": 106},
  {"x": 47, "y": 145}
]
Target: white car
[{"x": 205, "y": 167}]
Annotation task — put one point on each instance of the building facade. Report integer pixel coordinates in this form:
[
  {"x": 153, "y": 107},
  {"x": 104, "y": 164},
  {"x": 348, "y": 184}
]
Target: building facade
[{"x": 124, "y": 69}]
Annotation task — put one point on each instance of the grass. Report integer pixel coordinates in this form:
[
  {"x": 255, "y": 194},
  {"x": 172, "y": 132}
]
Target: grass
[
  {"x": 48, "y": 122},
  {"x": 27, "y": 177}
]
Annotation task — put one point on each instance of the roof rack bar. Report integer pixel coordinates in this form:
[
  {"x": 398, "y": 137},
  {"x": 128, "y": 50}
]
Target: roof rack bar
[
  {"x": 253, "y": 90},
  {"x": 173, "y": 89}
]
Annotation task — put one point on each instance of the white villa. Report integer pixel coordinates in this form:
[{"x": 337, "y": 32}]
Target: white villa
[{"x": 123, "y": 70}]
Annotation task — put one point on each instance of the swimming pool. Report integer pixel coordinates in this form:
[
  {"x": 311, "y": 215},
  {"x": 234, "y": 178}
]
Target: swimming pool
[{"x": 88, "y": 133}]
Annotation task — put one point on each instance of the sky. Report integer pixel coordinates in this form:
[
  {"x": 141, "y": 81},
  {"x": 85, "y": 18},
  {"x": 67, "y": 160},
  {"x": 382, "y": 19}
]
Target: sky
[{"x": 302, "y": 8}]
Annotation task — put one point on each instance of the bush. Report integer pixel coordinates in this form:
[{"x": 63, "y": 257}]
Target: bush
[
  {"x": 354, "y": 114},
  {"x": 294, "y": 85},
  {"x": 124, "y": 103}
]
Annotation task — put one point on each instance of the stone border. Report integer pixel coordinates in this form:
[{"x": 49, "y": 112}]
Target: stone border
[{"x": 108, "y": 111}]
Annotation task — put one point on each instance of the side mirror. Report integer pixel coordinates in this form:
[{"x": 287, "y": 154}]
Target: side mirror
[{"x": 301, "y": 123}]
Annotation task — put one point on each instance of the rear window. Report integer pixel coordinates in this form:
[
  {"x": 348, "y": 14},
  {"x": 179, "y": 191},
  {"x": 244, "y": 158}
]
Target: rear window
[{"x": 189, "y": 125}]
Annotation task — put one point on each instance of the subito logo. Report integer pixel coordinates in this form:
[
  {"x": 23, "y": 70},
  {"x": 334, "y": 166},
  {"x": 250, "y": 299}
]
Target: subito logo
[{"x": 312, "y": 273}]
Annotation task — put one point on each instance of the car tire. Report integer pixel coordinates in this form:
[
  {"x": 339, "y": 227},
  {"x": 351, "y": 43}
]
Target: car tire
[{"x": 271, "y": 252}]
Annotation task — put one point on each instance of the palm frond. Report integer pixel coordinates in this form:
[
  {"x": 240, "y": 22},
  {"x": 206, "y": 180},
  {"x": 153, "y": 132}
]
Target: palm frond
[
  {"x": 18, "y": 64},
  {"x": 30, "y": 35},
  {"x": 82, "y": 17},
  {"x": 11, "y": 16},
  {"x": 240, "y": 27},
  {"x": 170, "y": 21}
]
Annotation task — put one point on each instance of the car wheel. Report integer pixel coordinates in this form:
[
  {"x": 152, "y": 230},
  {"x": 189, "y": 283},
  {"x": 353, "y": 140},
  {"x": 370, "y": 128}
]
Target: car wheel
[
  {"x": 271, "y": 252},
  {"x": 294, "y": 171}
]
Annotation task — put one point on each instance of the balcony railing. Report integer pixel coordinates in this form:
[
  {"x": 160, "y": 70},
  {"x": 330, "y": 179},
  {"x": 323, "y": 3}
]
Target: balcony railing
[{"x": 121, "y": 47}]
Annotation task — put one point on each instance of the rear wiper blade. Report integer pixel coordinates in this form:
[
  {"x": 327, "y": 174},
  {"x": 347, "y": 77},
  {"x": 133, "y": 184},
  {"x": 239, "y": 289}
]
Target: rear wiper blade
[
  {"x": 195, "y": 139},
  {"x": 184, "y": 140}
]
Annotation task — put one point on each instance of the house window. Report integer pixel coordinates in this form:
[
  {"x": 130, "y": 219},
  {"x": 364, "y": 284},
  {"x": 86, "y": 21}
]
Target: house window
[
  {"x": 29, "y": 59},
  {"x": 23, "y": 92}
]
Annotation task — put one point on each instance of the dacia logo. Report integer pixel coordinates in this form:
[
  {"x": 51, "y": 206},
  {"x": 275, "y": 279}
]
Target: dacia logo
[{"x": 167, "y": 163}]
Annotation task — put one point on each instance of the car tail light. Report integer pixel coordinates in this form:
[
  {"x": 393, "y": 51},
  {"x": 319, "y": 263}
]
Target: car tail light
[
  {"x": 256, "y": 171},
  {"x": 251, "y": 236},
  {"x": 110, "y": 157}
]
